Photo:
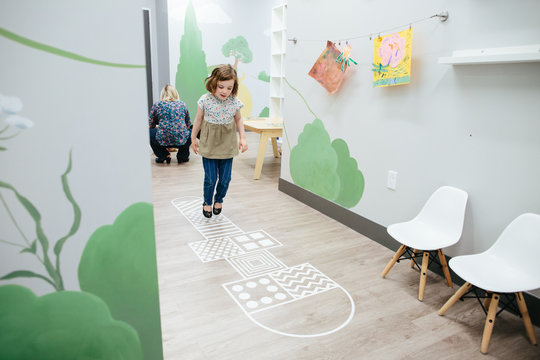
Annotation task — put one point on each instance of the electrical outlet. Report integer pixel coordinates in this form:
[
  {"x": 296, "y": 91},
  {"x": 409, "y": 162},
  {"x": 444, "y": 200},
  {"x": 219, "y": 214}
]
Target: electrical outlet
[{"x": 391, "y": 181}]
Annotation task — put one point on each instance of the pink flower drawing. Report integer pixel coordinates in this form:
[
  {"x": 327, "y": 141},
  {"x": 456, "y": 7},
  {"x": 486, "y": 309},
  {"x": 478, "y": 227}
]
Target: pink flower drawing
[{"x": 392, "y": 50}]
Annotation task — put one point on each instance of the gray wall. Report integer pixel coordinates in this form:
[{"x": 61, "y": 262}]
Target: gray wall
[{"x": 474, "y": 126}]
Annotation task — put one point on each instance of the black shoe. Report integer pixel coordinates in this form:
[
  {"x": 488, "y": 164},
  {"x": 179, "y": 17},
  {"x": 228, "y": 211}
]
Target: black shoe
[
  {"x": 207, "y": 214},
  {"x": 182, "y": 160},
  {"x": 161, "y": 161},
  {"x": 215, "y": 210}
]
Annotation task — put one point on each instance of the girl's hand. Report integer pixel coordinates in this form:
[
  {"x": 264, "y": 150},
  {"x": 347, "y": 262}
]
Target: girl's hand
[
  {"x": 195, "y": 145},
  {"x": 242, "y": 145}
]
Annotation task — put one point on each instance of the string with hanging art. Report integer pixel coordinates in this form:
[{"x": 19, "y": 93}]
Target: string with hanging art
[
  {"x": 345, "y": 58},
  {"x": 392, "y": 59}
]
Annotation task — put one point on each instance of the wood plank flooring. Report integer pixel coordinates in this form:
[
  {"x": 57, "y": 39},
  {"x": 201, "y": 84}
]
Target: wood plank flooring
[{"x": 200, "y": 320}]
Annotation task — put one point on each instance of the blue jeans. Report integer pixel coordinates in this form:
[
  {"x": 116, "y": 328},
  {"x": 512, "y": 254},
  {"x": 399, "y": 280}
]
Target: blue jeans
[{"x": 216, "y": 171}]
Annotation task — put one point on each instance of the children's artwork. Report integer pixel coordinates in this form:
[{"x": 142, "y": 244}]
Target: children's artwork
[
  {"x": 326, "y": 70},
  {"x": 345, "y": 58},
  {"x": 392, "y": 59}
]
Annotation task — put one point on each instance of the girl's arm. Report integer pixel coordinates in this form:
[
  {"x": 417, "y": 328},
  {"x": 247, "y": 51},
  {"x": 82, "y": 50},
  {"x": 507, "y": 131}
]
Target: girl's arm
[
  {"x": 196, "y": 127},
  {"x": 242, "y": 145}
]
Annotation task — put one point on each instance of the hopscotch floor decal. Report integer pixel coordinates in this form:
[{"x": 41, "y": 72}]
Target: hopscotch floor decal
[{"x": 267, "y": 283}]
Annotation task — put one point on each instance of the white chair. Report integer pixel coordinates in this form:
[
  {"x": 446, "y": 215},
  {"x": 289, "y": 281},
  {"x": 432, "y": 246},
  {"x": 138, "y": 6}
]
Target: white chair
[
  {"x": 510, "y": 266},
  {"x": 438, "y": 225}
]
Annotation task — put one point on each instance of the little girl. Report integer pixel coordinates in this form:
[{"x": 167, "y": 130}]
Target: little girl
[{"x": 218, "y": 118}]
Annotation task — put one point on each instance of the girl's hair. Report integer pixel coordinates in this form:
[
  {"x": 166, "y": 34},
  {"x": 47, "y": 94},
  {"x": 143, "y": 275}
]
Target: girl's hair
[
  {"x": 222, "y": 73},
  {"x": 169, "y": 93}
]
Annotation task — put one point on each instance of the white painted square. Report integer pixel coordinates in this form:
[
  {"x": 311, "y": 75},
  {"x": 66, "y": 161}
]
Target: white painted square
[
  {"x": 266, "y": 242},
  {"x": 241, "y": 238},
  {"x": 250, "y": 246},
  {"x": 255, "y": 263},
  {"x": 257, "y": 235}
]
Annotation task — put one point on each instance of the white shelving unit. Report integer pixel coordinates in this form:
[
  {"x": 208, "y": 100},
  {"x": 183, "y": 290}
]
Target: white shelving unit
[
  {"x": 503, "y": 55},
  {"x": 277, "y": 50}
]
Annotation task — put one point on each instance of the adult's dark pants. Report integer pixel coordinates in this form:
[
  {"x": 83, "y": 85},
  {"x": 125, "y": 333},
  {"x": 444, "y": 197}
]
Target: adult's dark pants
[{"x": 161, "y": 152}]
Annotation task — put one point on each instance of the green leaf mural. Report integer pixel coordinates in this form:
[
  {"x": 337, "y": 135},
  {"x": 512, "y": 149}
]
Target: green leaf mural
[
  {"x": 325, "y": 168},
  {"x": 191, "y": 70},
  {"x": 118, "y": 264},
  {"x": 63, "y": 325},
  {"x": 239, "y": 48},
  {"x": 53, "y": 270}
]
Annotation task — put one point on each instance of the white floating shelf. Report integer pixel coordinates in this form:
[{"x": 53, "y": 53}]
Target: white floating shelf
[{"x": 514, "y": 54}]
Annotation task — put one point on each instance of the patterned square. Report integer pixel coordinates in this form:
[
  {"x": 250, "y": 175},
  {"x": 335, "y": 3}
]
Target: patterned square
[
  {"x": 211, "y": 250},
  {"x": 303, "y": 280},
  {"x": 255, "y": 263},
  {"x": 257, "y": 294},
  {"x": 255, "y": 240}
]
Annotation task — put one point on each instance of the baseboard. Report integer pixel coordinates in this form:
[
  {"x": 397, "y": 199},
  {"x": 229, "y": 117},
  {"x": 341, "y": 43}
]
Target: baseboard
[{"x": 376, "y": 232}]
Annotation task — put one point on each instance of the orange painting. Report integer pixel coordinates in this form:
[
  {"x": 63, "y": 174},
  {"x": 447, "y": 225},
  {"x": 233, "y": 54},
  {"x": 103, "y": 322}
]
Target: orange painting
[{"x": 326, "y": 70}]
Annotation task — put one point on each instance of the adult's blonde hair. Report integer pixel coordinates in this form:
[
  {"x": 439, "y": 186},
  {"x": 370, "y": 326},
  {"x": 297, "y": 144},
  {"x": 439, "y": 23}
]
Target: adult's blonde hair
[{"x": 169, "y": 93}]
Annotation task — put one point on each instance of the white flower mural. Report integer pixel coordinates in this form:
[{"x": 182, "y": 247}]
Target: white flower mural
[{"x": 9, "y": 107}]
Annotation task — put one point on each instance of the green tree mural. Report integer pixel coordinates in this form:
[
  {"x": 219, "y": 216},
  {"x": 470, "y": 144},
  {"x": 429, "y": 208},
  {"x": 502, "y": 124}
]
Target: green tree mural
[
  {"x": 118, "y": 264},
  {"x": 191, "y": 70},
  {"x": 325, "y": 168},
  {"x": 239, "y": 48}
]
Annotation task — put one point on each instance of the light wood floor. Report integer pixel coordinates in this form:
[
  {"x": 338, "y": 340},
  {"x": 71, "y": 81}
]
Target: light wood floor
[{"x": 201, "y": 321}]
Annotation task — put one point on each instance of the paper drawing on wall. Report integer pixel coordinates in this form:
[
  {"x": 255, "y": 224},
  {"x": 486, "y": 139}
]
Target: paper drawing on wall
[
  {"x": 392, "y": 59},
  {"x": 345, "y": 58},
  {"x": 327, "y": 70}
]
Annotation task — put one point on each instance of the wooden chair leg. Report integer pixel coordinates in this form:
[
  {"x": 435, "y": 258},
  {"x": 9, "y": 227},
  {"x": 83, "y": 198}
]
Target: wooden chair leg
[
  {"x": 396, "y": 257},
  {"x": 444, "y": 265},
  {"x": 487, "y": 300},
  {"x": 413, "y": 260},
  {"x": 490, "y": 321},
  {"x": 423, "y": 275},
  {"x": 526, "y": 318},
  {"x": 450, "y": 302}
]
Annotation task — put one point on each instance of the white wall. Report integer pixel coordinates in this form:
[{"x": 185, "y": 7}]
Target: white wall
[
  {"x": 98, "y": 112},
  {"x": 475, "y": 127}
]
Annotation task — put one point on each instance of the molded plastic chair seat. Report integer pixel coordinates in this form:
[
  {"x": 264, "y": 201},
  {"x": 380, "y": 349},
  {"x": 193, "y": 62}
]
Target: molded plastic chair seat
[
  {"x": 417, "y": 234},
  {"x": 438, "y": 225},
  {"x": 493, "y": 273},
  {"x": 509, "y": 266}
]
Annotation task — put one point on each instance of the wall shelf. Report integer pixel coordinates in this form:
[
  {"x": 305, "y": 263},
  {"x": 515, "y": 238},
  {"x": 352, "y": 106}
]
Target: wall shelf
[
  {"x": 514, "y": 54},
  {"x": 278, "y": 45}
]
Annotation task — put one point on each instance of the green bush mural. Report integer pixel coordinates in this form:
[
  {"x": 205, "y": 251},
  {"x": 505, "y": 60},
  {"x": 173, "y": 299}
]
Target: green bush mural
[
  {"x": 118, "y": 264},
  {"x": 265, "y": 112},
  {"x": 191, "y": 70},
  {"x": 263, "y": 76},
  {"x": 326, "y": 168},
  {"x": 63, "y": 325},
  {"x": 350, "y": 178}
]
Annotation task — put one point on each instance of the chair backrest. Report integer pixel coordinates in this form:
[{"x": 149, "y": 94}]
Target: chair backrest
[
  {"x": 519, "y": 243},
  {"x": 445, "y": 210}
]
